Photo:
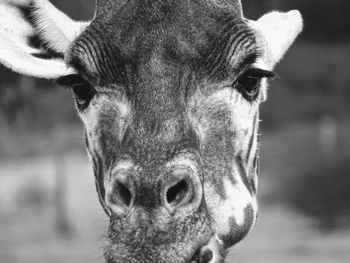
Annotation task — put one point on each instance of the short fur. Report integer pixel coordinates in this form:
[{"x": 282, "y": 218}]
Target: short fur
[{"x": 171, "y": 130}]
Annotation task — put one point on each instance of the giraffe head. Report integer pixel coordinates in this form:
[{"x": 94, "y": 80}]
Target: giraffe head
[{"x": 169, "y": 94}]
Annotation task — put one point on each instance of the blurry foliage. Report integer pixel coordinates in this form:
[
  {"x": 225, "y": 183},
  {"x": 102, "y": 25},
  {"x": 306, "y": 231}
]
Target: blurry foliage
[
  {"x": 312, "y": 80},
  {"x": 322, "y": 192},
  {"x": 33, "y": 198},
  {"x": 30, "y": 102},
  {"x": 308, "y": 166}
]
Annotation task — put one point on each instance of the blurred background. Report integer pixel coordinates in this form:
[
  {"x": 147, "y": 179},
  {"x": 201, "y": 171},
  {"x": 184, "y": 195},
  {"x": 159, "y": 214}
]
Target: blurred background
[{"x": 49, "y": 210}]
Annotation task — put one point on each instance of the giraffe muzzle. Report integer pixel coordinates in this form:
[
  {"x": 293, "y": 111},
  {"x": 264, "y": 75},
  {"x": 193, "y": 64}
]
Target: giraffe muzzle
[{"x": 177, "y": 190}]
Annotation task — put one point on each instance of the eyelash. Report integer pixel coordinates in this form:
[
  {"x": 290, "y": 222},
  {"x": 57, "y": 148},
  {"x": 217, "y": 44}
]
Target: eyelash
[
  {"x": 249, "y": 82},
  {"x": 83, "y": 90}
]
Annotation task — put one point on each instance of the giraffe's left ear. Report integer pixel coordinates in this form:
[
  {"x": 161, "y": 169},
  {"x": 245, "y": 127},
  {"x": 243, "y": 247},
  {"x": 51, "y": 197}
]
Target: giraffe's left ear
[
  {"x": 34, "y": 36},
  {"x": 279, "y": 31}
]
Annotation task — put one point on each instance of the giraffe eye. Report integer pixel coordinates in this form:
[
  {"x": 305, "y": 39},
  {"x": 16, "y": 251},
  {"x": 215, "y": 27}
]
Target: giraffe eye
[
  {"x": 83, "y": 90},
  {"x": 249, "y": 82}
]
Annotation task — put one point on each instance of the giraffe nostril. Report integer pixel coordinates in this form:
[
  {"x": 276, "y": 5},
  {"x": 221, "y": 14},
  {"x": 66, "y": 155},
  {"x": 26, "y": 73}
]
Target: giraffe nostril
[
  {"x": 177, "y": 193},
  {"x": 181, "y": 190},
  {"x": 122, "y": 193}
]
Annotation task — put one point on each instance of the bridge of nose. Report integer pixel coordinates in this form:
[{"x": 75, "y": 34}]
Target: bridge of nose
[
  {"x": 152, "y": 142},
  {"x": 159, "y": 127}
]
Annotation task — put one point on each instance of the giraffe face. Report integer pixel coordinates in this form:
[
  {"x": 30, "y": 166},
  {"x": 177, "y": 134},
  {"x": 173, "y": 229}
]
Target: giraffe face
[
  {"x": 169, "y": 95},
  {"x": 171, "y": 121}
]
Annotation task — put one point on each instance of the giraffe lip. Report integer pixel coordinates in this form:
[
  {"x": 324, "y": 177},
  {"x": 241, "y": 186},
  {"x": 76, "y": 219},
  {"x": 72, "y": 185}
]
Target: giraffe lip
[{"x": 202, "y": 256}]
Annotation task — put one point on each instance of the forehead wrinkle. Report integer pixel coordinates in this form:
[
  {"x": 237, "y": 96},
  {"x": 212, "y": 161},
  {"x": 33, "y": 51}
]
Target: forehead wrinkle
[
  {"x": 246, "y": 56},
  {"x": 127, "y": 35},
  {"x": 232, "y": 46}
]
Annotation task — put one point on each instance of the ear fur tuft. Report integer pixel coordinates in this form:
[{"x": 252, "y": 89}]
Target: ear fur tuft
[
  {"x": 279, "y": 31},
  {"x": 34, "y": 36}
]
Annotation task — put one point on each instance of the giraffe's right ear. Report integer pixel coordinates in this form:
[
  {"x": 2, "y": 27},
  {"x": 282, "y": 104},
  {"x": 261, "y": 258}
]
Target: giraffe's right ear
[{"x": 34, "y": 35}]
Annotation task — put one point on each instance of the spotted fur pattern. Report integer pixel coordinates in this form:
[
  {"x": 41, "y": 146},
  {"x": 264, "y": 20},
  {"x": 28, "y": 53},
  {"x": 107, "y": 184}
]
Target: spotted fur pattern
[{"x": 164, "y": 72}]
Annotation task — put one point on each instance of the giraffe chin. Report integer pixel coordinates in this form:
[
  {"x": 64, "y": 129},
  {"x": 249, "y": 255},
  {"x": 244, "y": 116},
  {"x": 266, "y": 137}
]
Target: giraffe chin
[
  {"x": 204, "y": 254},
  {"x": 178, "y": 241}
]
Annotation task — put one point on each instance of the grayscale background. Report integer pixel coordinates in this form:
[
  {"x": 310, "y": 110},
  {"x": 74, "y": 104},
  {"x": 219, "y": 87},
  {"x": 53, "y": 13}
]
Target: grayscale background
[{"x": 49, "y": 210}]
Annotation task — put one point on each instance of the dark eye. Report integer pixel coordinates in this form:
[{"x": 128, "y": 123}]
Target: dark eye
[
  {"x": 249, "y": 82},
  {"x": 83, "y": 89}
]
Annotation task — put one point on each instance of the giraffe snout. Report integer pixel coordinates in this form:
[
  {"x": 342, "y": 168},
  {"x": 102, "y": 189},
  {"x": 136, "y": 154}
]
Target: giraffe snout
[{"x": 176, "y": 188}]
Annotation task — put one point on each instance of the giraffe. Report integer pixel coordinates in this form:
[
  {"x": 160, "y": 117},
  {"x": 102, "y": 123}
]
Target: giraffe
[{"x": 169, "y": 95}]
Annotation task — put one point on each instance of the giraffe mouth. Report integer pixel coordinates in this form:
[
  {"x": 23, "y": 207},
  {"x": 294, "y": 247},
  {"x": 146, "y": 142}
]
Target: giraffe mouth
[
  {"x": 202, "y": 256},
  {"x": 122, "y": 246}
]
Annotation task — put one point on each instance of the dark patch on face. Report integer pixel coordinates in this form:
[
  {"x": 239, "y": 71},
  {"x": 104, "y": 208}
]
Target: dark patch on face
[
  {"x": 256, "y": 170},
  {"x": 98, "y": 173},
  {"x": 238, "y": 232},
  {"x": 244, "y": 174},
  {"x": 215, "y": 167},
  {"x": 218, "y": 151}
]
